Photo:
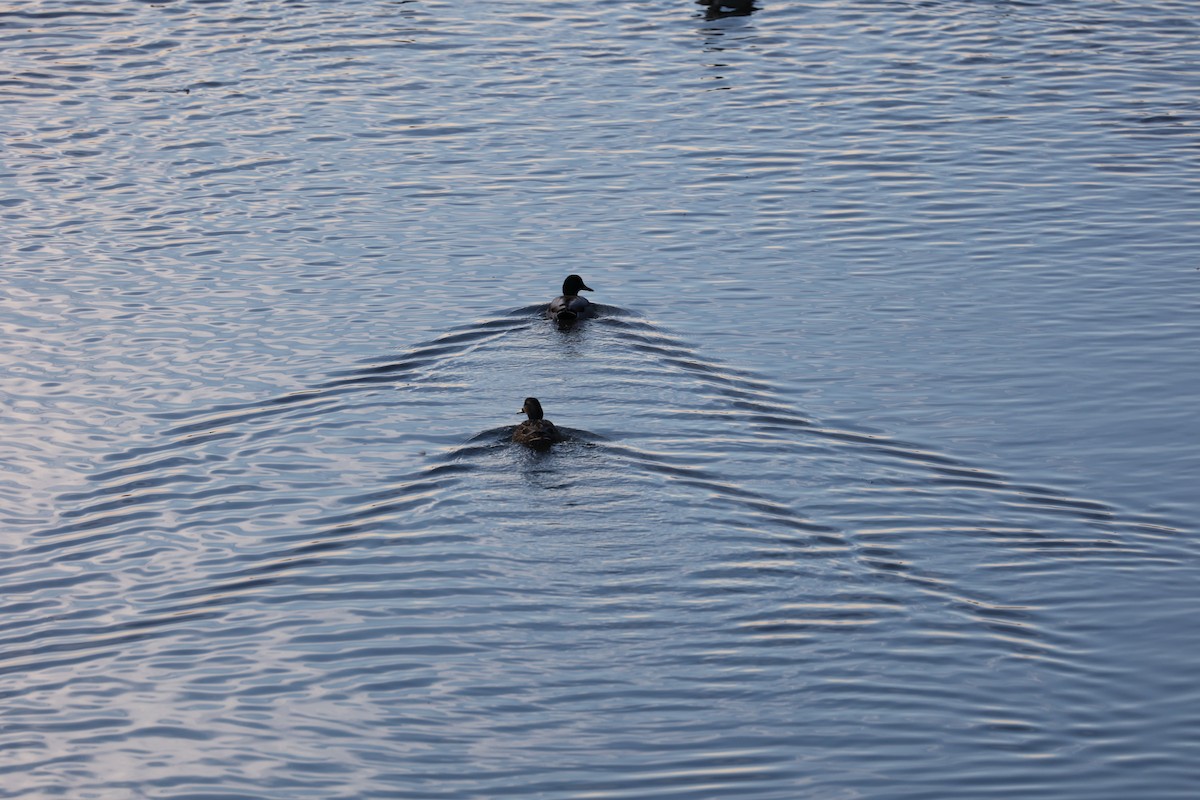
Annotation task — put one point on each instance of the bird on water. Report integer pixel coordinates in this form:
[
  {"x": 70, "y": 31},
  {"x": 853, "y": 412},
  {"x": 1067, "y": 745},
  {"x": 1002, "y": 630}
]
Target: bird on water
[
  {"x": 570, "y": 307},
  {"x": 536, "y": 432}
]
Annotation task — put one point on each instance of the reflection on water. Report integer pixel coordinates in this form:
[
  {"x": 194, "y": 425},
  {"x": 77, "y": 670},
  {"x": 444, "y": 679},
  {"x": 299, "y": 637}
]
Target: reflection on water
[{"x": 877, "y": 478}]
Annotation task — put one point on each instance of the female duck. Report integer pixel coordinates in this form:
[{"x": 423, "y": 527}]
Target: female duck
[
  {"x": 536, "y": 432},
  {"x": 571, "y": 307}
]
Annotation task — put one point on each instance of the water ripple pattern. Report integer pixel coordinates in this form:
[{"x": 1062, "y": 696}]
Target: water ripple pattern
[{"x": 879, "y": 469}]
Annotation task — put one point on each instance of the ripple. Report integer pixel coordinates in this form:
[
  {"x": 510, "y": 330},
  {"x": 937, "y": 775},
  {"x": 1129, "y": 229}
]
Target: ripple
[{"x": 921, "y": 530}]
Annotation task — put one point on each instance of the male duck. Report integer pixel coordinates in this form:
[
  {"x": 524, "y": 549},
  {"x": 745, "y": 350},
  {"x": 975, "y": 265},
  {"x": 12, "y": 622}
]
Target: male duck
[
  {"x": 536, "y": 432},
  {"x": 571, "y": 307}
]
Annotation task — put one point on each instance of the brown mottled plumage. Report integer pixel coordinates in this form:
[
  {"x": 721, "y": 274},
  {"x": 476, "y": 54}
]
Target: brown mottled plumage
[{"x": 536, "y": 432}]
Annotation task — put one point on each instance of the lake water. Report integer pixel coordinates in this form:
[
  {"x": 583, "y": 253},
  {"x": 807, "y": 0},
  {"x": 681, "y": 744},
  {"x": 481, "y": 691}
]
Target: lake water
[{"x": 882, "y": 470}]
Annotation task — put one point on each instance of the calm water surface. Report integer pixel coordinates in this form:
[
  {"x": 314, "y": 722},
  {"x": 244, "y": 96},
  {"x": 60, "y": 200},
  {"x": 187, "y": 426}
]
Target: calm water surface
[{"x": 881, "y": 478}]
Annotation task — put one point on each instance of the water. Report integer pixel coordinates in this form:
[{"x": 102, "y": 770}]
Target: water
[{"x": 881, "y": 477}]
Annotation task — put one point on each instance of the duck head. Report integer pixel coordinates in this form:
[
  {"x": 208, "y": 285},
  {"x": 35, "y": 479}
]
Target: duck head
[
  {"x": 532, "y": 408},
  {"x": 573, "y": 285}
]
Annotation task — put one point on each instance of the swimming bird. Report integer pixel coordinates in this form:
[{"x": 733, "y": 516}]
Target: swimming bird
[
  {"x": 571, "y": 307},
  {"x": 536, "y": 432},
  {"x": 727, "y": 8}
]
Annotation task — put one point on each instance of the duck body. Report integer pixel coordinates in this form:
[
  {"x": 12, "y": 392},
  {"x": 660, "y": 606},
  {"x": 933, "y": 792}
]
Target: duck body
[
  {"x": 571, "y": 307},
  {"x": 536, "y": 432},
  {"x": 727, "y": 8}
]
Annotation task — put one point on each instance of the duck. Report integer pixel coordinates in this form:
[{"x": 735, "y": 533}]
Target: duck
[
  {"x": 536, "y": 432},
  {"x": 727, "y": 8},
  {"x": 569, "y": 308}
]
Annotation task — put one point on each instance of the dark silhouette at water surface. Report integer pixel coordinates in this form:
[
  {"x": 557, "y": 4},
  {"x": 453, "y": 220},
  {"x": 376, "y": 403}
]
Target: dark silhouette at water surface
[
  {"x": 536, "y": 432},
  {"x": 718, "y": 9},
  {"x": 569, "y": 308}
]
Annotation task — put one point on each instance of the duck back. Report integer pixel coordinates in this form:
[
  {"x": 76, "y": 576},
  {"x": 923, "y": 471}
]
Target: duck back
[
  {"x": 538, "y": 434},
  {"x": 570, "y": 307}
]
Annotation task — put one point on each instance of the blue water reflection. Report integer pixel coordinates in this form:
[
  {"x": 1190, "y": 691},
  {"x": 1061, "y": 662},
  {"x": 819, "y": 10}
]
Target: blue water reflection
[{"x": 881, "y": 475}]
